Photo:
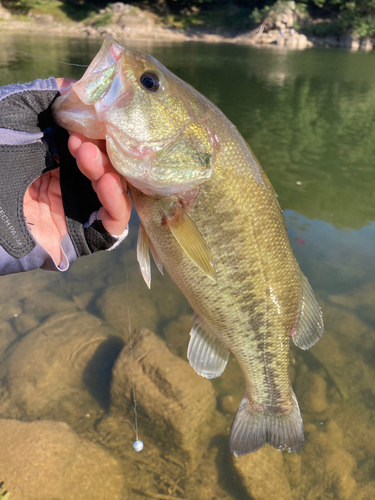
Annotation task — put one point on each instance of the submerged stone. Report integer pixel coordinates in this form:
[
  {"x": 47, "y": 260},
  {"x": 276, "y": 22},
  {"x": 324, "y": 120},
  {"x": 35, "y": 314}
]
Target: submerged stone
[
  {"x": 327, "y": 466},
  {"x": 7, "y": 336},
  {"x": 264, "y": 475},
  {"x": 46, "y": 460},
  {"x": 59, "y": 370},
  {"x": 125, "y": 308},
  {"x": 175, "y": 405},
  {"x": 311, "y": 391}
]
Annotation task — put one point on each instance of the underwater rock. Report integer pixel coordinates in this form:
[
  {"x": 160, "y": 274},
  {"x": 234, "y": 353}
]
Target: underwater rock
[
  {"x": 327, "y": 467},
  {"x": 361, "y": 301},
  {"x": 47, "y": 460},
  {"x": 123, "y": 308},
  {"x": 177, "y": 335},
  {"x": 62, "y": 369},
  {"x": 9, "y": 309},
  {"x": 229, "y": 404},
  {"x": 344, "y": 323},
  {"x": 327, "y": 352},
  {"x": 175, "y": 405},
  {"x": 44, "y": 304},
  {"x": 365, "y": 493},
  {"x": 7, "y": 336},
  {"x": 293, "y": 466},
  {"x": 167, "y": 298},
  {"x": 311, "y": 393},
  {"x": 364, "y": 295},
  {"x": 24, "y": 323},
  {"x": 15, "y": 287},
  {"x": 263, "y": 475},
  {"x": 357, "y": 425}
]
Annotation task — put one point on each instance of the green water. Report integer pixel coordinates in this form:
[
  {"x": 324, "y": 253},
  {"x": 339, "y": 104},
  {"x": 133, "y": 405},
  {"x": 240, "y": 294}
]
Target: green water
[{"x": 310, "y": 119}]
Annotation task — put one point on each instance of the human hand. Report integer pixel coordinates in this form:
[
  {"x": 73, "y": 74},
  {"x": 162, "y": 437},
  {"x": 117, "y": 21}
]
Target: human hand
[{"x": 43, "y": 206}]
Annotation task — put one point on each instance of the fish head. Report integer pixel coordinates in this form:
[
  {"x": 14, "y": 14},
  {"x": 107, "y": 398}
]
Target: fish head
[{"x": 155, "y": 125}]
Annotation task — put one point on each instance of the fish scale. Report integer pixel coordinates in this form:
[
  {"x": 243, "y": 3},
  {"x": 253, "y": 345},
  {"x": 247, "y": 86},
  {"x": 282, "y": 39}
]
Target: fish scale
[{"x": 210, "y": 216}]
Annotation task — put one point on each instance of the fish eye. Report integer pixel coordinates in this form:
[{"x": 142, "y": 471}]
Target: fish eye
[{"x": 150, "y": 81}]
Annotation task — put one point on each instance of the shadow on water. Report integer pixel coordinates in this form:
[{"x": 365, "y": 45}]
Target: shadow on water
[
  {"x": 229, "y": 479},
  {"x": 98, "y": 372}
]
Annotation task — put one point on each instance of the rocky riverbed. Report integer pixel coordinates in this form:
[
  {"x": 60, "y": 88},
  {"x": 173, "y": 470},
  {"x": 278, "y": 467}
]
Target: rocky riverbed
[{"x": 73, "y": 347}]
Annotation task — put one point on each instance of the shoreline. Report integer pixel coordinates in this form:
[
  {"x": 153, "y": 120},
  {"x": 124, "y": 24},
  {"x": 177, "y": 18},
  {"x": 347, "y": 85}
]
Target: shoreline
[{"x": 289, "y": 39}]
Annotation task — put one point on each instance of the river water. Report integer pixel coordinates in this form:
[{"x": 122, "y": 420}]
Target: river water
[{"x": 310, "y": 119}]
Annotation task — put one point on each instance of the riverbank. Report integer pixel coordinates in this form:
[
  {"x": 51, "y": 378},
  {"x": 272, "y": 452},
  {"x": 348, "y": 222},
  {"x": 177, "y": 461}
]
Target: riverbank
[{"x": 124, "y": 21}]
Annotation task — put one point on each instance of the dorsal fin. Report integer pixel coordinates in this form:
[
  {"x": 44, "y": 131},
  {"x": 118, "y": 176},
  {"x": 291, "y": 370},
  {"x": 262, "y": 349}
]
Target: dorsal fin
[{"x": 310, "y": 327}]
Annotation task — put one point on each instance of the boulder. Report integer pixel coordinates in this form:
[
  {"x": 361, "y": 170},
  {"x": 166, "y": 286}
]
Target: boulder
[
  {"x": 126, "y": 309},
  {"x": 350, "y": 42},
  {"x": 311, "y": 391},
  {"x": 327, "y": 466},
  {"x": 175, "y": 405},
  {"x": 177, "y": 334},
  {"x": 61, "y": 369},
  {"x": 264, "y": 475},
  {"x": 4, "y": 13},
  {"x": 7, "y": 336},
  {"x": 47, "y": 460},
  {"x": 296, "y": 41},
  {"x": 366, "y": 44}
]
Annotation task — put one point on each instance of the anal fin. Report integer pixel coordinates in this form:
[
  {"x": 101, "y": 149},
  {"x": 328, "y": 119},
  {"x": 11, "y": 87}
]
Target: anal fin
[
  {"x": 205, "y": 354},
  {"x": 252, "y": 428},
  {"x": 310, "y": 327}
]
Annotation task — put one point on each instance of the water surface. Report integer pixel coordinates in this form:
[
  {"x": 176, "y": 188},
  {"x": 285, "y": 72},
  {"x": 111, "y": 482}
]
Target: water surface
[{"x": 310, "y": 120}]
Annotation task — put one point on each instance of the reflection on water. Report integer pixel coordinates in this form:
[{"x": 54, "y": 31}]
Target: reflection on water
[{"x": 309, "y": 118}]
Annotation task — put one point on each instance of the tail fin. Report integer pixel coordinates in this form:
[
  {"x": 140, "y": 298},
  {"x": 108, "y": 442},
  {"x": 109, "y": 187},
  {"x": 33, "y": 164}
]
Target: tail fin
[{"x": 251, "y": 429}]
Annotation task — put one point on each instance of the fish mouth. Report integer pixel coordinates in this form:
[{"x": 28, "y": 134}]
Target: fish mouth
[
  {"x": 109, "y": 54},
  {"x": 116, "y": 50}
]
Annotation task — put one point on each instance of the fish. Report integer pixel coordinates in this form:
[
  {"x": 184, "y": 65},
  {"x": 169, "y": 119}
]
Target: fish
[{"x": 210, "y": 217}]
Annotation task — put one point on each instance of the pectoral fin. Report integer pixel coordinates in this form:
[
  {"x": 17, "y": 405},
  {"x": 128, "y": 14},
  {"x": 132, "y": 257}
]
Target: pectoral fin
[
  {"x": 205, "y": 354},
  {"x": 191, "y": 240},
  {"x": 143, "y": 255},
  {"x": 310, "y": 327}
]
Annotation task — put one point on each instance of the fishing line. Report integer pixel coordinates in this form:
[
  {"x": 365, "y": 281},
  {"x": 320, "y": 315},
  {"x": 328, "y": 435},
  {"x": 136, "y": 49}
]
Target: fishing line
[
  {"x": 137, "y": 445},
  {"x": 52, "y": 60}
]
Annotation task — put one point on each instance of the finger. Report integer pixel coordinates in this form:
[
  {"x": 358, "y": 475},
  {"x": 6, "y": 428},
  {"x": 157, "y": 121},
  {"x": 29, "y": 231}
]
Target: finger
[
  {"x": 92, "y": 162},
  {"x": 115, "y": 213},
  {"x": 76, "y": 140}
]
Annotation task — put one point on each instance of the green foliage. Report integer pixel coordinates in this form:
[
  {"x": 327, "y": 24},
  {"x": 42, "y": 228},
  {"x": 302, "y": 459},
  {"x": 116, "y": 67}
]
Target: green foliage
[
  {"x": 220, "y": 18},
  {"x": 317, "y": 17},
  {"x": 102, "y": 20},
  {"x": 79, "y": 12},
  {"x": 53, "y": 8},
  {"x": 257, "y": 15}
]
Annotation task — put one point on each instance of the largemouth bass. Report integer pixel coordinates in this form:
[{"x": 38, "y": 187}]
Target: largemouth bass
[{"x": 210, "y": 216}]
